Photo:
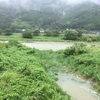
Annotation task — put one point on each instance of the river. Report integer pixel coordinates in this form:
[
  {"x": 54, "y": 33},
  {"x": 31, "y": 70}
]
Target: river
[{"x": 77, "y": 88}]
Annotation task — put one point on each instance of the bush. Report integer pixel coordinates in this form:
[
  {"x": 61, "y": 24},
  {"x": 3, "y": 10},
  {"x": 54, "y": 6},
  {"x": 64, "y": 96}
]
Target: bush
[
  {"x": 80, "y": 32},
  {"x": 13, "y": 43},
  {"x": 27, "y": 34},
  {"x": 36, "y": 32},
  {"x": 76, "y": 49},
  {"x": 55, "y": 33},
  {"x": 70, "y": 35},
  {"x": 1, "y": 31},
  {"x": 48, "y": 33},
  {"x": 8, "y": 31}
]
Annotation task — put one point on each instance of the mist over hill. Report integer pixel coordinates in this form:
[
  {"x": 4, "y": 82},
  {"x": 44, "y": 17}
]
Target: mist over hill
[{"x": 49, "y": 14}]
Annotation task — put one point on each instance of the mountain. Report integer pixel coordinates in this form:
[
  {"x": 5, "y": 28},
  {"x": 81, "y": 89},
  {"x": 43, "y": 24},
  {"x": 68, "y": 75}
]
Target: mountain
[
  {"x": 49, "y": 14},
  {"x": 6, "y": 16},
  {"x": 85, "y": 16}
]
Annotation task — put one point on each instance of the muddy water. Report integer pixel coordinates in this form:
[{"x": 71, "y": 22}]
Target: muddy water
[
  {"x": 55, "y": 45},
  {"x": 49, "y": 45},
  {"x": 77, "y": 88}
]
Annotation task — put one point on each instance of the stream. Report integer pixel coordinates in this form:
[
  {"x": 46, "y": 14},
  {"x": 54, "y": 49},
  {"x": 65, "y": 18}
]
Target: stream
[{"x": 76, "y": 87}]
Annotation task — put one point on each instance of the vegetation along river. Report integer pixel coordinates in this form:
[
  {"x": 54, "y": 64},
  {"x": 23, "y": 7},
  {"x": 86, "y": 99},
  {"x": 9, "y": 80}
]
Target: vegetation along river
[{"x": 77, "y": 88}]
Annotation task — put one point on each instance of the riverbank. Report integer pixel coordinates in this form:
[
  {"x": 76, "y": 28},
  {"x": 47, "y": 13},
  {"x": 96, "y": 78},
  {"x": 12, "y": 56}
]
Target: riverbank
[{"x": 56, "y": 62}]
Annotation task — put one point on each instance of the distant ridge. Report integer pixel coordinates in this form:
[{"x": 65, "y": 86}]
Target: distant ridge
[{"x": 49, "y": 14}]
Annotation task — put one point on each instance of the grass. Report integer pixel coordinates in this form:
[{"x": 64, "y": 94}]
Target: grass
[
  {"x": 18, "y": 37},
  {"x": 49, "y": 39}
]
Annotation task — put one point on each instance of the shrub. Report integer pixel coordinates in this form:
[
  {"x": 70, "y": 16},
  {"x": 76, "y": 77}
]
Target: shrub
[
  {"x": 55, "y": 33},
  {"x": 76, "y": 49},
  {"x": 8, "y": 31},
  {"x": 36, "y": 32},
  {"x": 27, "y": 34},
  {"x": 70, "y": 35},
  {"x": 80, "y": 32},
  {"x": 1, "y": 31},
  {"x": 48, "y": 33},
  {"x": 13, "y": 43}
]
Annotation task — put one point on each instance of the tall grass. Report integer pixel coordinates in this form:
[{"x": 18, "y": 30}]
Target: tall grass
[
  {"x": 78, "y": 59},
  {"x": 23, "y": 76}
]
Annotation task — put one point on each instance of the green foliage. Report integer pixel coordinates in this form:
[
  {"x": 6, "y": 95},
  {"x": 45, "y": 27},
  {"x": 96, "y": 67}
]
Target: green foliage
[
  {"x": 8, "y": 31},
  {"x": 36, "y": 32},
  {"x": 80, "y": 32},
  {"x": 86, "y": 64},
  {"x": 55, "y": 33},
  {"x": 89, "y": 38},
  {"x": 70, "y": 35},
  {"x": 27, "y": 34},
  {"x": 23, "y": 77},
  {"x": 83, "y": 16},
  {"x": 76, "y": 49},
  {"x": 1, "y": 31},
  {"x": 13, "y": 43},
  {"x": 48, "y": 33},
  {"x": 2, "y": 45}
]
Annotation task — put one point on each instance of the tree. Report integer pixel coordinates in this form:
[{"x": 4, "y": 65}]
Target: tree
[
  {"x": 1, "y": 31},
  {"x": 27, "y": 34},
  {"x": 8, "y": 31},
  {"x": 36, "y": 32},
  {"x": 48, "y": 33},
  {"x": 70, "y": 35},
  {"x": 80, "y": 32},
  {"x": 55, "y": 33}
]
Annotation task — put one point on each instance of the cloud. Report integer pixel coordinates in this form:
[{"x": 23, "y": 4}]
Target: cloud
[
  {"x": 67, "y": 1},
  {"x": 75, "y": 1}
]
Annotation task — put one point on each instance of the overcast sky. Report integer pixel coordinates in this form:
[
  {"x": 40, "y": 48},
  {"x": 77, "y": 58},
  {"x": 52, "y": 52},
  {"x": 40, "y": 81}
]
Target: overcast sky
[
  {"x": 68, "y": 1},
  {"x": 79, "y": 1}
]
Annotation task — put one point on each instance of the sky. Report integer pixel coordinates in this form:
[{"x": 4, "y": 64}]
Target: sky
[
  {"x": 78, "y": 1},
  {"x": 68, "y": 1}
]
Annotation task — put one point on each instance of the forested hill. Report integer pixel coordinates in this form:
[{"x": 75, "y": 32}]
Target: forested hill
[
  {"x": 85, "y": 15},
  {"x": 49, "y": 15}
]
